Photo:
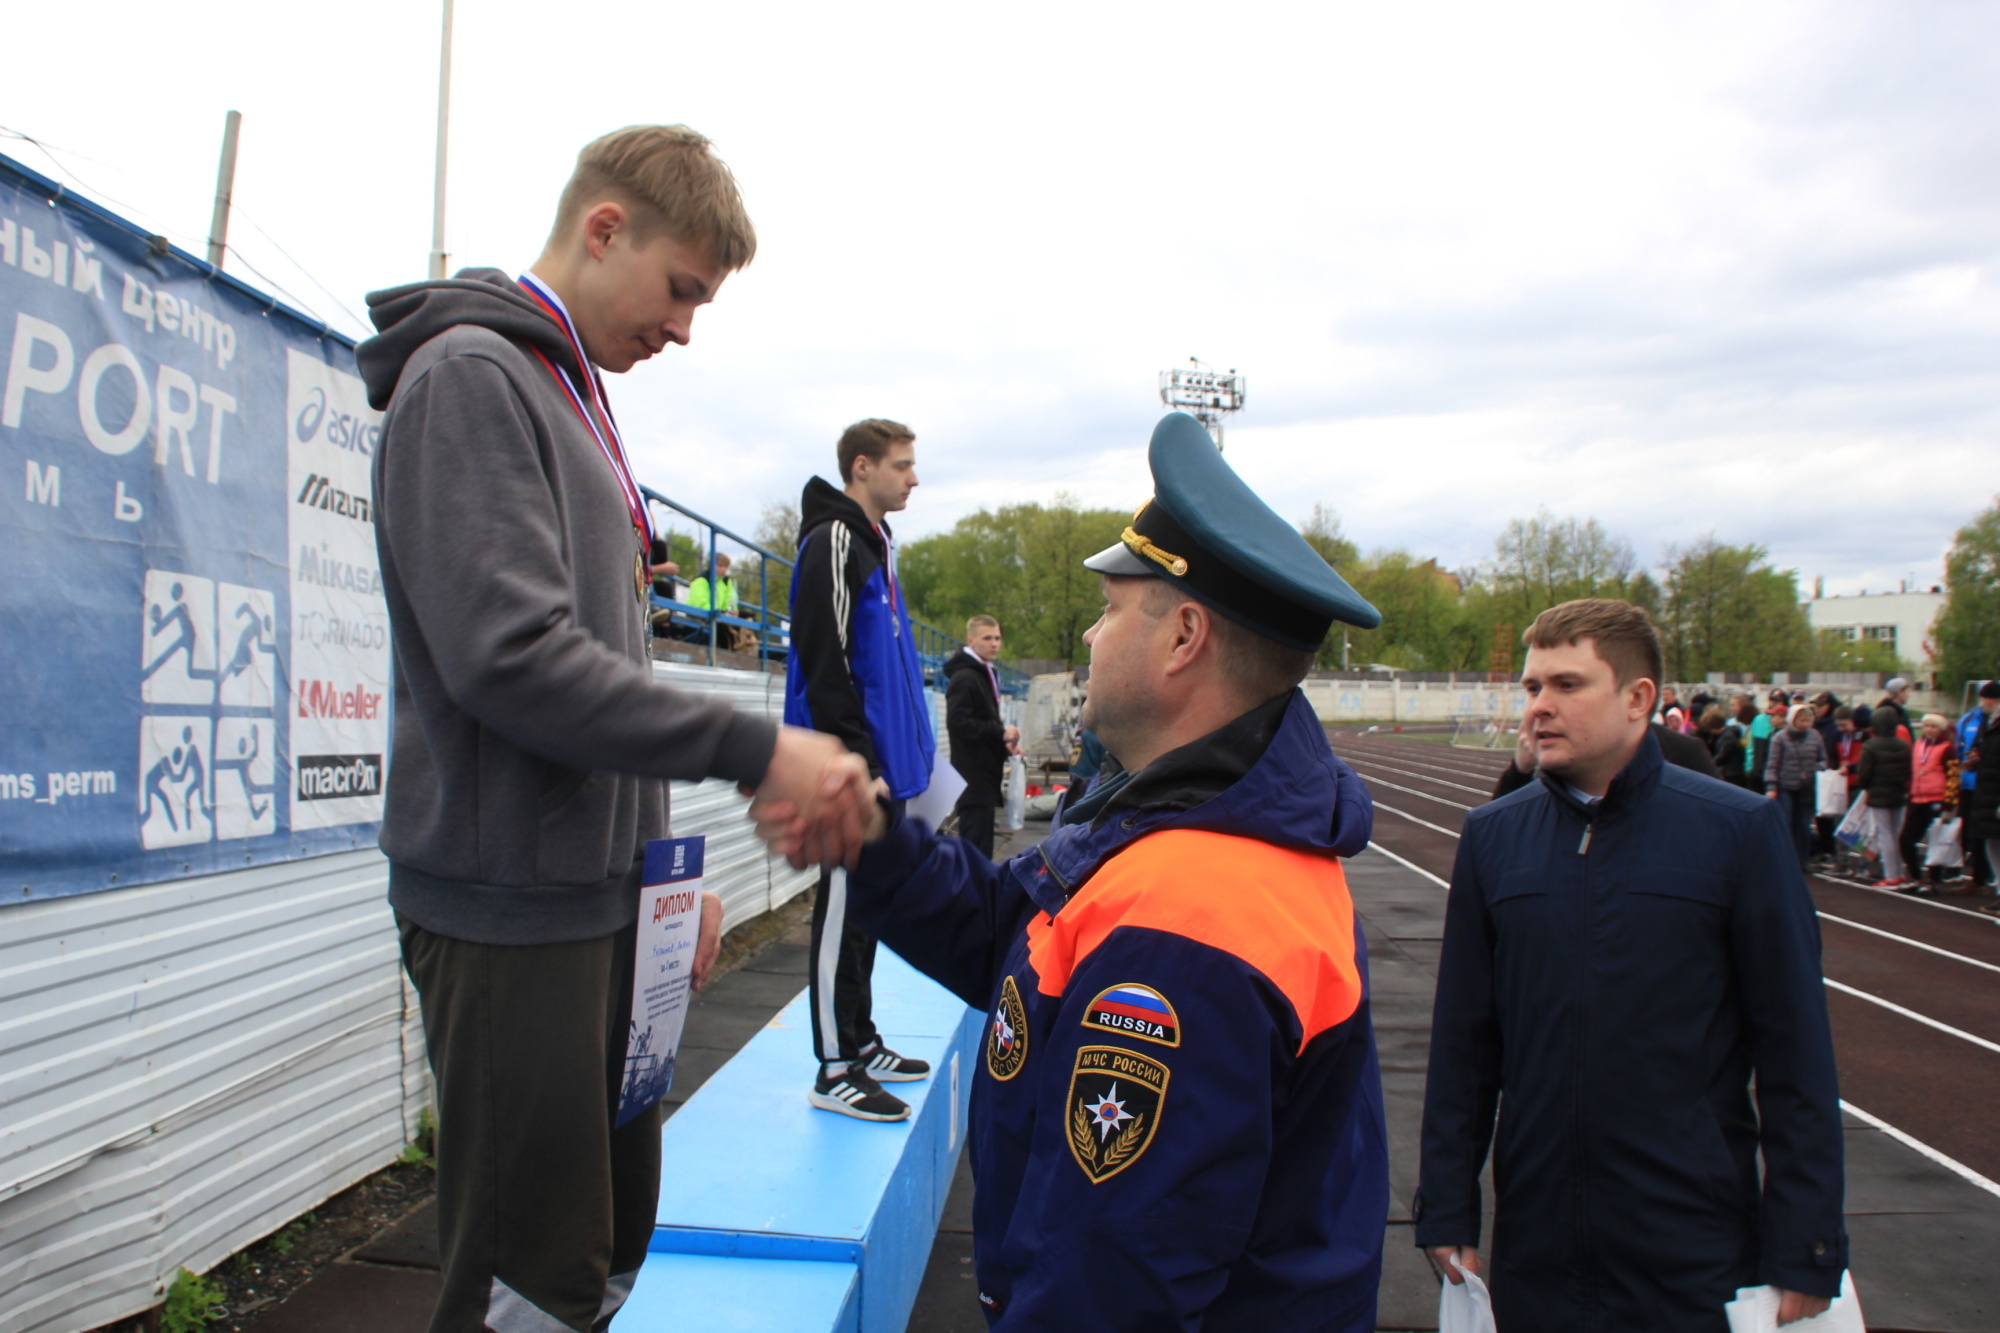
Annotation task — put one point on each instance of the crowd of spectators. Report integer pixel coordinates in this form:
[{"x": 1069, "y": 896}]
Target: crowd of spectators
[{"x": 1917, "y": 775}]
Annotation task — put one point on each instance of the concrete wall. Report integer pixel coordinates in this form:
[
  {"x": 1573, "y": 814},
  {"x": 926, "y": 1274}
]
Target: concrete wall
[{"x": 1391, "y": 700}]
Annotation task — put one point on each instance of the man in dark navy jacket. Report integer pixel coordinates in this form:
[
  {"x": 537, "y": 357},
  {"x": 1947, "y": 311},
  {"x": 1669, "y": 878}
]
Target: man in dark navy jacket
[{"x": 1626, "y": 945}]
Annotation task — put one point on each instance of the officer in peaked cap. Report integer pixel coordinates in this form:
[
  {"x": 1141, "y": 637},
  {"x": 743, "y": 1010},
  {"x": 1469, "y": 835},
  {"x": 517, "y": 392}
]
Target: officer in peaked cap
[
  {"x": 1209, "y": 535},
  {"x": 1176, "y": 1112}
]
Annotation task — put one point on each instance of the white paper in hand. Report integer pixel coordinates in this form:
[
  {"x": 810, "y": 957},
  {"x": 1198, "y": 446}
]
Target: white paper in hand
[
  {"x": 1469, "y": 1308},
  {"x": 1755, "y": 1310},
  {"x": 935, "y": 803}
]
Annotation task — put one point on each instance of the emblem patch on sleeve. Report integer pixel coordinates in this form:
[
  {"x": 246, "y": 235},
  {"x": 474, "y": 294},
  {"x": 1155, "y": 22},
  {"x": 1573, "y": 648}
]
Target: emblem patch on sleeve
[
  {"x": 1132, "y": 1010},
  {"x": 1115, "y": 1098},
  {"x": 1007, "y": 1044}
]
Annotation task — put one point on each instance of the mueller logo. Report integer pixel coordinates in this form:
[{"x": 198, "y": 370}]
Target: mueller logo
[
  {"x": 320, "y": 493},
  {"x": 344, "y": 430},
  {"x": 323, "y": 698},
  {"x": 324, "y": 777}
]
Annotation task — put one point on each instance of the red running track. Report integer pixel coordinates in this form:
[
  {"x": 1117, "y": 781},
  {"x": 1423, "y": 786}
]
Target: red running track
[{"x": 1931, "y": 960}]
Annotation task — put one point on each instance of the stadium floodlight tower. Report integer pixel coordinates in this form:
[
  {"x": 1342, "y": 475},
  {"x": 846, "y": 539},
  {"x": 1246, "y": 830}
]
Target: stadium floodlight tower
[{"x": 1206, "y": 394}]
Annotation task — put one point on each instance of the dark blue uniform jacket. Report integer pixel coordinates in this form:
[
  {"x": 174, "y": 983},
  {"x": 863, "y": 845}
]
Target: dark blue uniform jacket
[
  {"x": 1177, "y": 1111},
  {"x": 1619, "y": 973}
]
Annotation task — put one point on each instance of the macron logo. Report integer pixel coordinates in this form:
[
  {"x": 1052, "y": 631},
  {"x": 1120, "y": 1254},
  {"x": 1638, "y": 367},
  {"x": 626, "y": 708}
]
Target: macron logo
[{"x": 323, "y": 698}]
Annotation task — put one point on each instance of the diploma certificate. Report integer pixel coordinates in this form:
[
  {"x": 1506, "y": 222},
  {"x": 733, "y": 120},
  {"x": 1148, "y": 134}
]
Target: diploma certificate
[{"x": 662, "y": 970}]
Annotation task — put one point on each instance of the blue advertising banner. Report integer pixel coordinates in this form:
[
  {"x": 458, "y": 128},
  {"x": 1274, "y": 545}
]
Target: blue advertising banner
[{"x": 194, "y": 649}]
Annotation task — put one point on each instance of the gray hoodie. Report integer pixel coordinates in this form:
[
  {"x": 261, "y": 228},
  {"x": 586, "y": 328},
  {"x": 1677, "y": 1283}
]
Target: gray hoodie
[{"x": 532, "y": 744}]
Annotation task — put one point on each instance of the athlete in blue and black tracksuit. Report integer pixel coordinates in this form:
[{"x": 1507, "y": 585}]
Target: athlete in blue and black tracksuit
[{"x": 852, "y": 671}]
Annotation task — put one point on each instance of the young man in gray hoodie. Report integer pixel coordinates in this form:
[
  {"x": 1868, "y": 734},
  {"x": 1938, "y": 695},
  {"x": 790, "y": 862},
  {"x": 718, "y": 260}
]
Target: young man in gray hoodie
[{"x": 532, "y": 744}]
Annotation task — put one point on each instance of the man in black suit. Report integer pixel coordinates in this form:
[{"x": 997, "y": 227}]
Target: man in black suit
[{"x": 980, "y": 741}]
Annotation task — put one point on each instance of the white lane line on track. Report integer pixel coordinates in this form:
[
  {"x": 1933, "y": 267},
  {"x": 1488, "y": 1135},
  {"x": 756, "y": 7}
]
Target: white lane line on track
[
  {"x": 1384, "y": 782},
  {"x": 1356, "y": 763},
  {"x": 1414, "y": 820},
  {"x": 1914, "y": 944},
  {"x": 1909, "y": 898},
  {"x": 1913, "y": 1015},
  {"x": 1420, "y": 754},
  {"x": 1887, "y": 935},
  {"x": 1383, "y": 757},
  {"x": 1951, "y": 1164},
  {"x": 1404, "y": 861},
  {"x": 1907, "y": 1139}
]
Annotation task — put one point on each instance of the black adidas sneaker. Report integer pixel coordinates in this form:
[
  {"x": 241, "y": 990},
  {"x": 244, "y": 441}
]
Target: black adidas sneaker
[
  {"x": 885, "y": 1066},
  {"x": 855, "y": 1093}
]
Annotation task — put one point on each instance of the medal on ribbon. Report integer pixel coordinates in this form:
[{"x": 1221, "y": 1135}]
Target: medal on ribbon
[{"x": 609, "y": 443}]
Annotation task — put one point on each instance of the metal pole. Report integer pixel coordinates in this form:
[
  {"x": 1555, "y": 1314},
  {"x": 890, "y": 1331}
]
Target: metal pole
[
  {"x": 225, "y": 186},
  {"x": 444, "y": 128},
  {"x": 715, "y": 599}
]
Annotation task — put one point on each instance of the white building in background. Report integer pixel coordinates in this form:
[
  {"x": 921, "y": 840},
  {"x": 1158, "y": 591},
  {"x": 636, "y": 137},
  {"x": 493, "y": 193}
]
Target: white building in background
[{"x": 1901, "y": 619}]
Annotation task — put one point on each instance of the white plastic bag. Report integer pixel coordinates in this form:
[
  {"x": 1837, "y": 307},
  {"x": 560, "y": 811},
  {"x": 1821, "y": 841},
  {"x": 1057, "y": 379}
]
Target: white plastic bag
[
  {"x": 1944, "y": 843},
  {"x": 1832, "y": 785},
  {"x": 1017, "y": 793},
  {"x": 1468, "y": 1308},
  {"x": 1755, "y": 1310},
  {"x": 1857, "y": 830}
]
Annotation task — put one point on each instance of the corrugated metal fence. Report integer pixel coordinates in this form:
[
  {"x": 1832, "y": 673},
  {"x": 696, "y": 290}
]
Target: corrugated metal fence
[{"x": 186, "y": 1067}]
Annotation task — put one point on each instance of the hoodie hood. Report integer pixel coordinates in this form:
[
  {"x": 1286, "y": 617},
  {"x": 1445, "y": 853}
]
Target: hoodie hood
[
  {"x": 821, "y": 503},
  {"x": 1297, "y": 795},
  {"x": 963, "y": 660},
  {"x": 408, "y": 317}
]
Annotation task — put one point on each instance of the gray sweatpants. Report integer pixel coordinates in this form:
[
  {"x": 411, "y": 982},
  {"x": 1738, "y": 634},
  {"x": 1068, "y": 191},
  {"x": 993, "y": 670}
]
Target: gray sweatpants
[
  {"x": 544, "y": 1209},
  {"x": 1888, "y": 833}
]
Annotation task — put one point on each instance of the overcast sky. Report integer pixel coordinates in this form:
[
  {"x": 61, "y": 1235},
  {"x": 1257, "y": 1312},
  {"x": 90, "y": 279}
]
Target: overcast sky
[{"x": 1684, "y": 268}]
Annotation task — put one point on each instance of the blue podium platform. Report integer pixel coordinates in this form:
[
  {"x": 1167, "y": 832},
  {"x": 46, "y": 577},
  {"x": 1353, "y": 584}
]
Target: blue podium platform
[
  {"x": 757, "y": 1186},
  {"x": 699, "y": 1291}
]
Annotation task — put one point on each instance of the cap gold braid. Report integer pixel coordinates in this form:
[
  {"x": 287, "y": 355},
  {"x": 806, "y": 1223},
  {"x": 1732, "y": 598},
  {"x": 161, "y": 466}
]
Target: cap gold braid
[{"x": 1139, "y": 544}]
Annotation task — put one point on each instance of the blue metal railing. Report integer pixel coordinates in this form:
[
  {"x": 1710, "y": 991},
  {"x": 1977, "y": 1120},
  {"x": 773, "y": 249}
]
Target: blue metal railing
[{"x": 773, "y": 629}]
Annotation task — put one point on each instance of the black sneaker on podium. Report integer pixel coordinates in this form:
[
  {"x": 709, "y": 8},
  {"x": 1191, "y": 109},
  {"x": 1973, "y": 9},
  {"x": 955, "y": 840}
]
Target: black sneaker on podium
[
  {"x": 854, "y": 1093},
  {"x": 885, "y": 1066}
]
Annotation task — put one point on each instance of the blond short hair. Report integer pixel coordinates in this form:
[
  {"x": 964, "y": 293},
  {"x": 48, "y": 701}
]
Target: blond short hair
[
  {"x": 977, "y": 623},
  {"x": 1623, "y": 633},
  {"x": 668, "y": 181}
]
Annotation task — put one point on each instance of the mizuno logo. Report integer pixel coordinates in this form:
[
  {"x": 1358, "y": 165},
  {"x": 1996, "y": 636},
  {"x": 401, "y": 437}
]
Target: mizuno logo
[{"x": 320, "y": 493}]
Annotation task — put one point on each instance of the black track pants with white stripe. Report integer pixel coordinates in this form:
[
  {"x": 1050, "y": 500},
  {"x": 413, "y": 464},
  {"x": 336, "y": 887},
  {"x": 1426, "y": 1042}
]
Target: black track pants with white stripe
[
  {"x": 544, "y": 1209},
  {"x": 843, "y": 967}
]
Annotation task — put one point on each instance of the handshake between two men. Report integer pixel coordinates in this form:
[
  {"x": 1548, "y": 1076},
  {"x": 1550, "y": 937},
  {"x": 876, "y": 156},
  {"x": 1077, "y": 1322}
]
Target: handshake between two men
[{"x": 817, "y": 801}]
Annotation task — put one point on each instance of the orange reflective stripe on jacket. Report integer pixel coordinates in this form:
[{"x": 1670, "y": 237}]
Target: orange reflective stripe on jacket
[{"x": 1285, "y": 913}]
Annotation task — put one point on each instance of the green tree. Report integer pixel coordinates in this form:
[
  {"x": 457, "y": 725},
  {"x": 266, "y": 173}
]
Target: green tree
[
  {"x": 1423, "y": 627},
  {"x": 1323, "y": 533},
  {"x": 777, "y": 532},
  {"x": 1834, "y": 651},
  {"x": 1967, "y": 630},
  {"x": 1063, "y": 599},
  {"x": 1726, "y": 609},
  {"x": 1021, "y": 564},
  {"x": 1543, "y": 561}
]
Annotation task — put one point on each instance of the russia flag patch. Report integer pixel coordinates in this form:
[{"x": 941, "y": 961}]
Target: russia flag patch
[{"x": 1133, "y": 1010}]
